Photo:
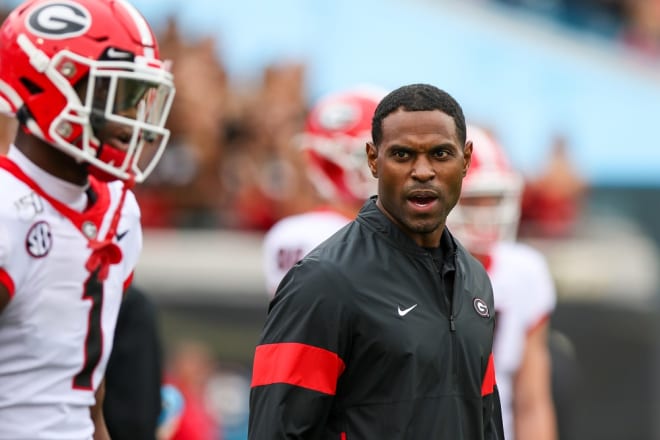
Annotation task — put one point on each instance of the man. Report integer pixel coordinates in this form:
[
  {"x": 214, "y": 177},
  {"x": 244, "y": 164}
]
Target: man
[
  {"x": 84, "y": 80},
  {"x": 486, "y": 221},
  {"x": 134, "y": 373},
  {"x": 384, "y": 331},
  {"x": 336, "y": 130}
]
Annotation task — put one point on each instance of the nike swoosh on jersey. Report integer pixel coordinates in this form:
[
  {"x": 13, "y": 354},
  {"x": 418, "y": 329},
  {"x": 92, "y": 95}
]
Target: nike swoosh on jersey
[
  {"x": 121, "y": 235},
  {"x": 405, "y": 312}
]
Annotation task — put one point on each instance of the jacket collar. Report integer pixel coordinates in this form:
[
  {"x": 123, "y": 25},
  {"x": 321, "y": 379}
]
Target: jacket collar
[{"x": 371, "y": 216}]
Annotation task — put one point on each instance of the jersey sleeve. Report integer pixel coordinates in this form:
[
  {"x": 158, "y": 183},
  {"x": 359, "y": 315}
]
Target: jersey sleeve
[
  {"x": 542, "y": 297},
  {"x": 300, "y": 356}
]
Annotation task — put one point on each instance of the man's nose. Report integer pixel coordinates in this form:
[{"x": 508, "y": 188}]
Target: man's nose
[{"x": 423, "y": 170}]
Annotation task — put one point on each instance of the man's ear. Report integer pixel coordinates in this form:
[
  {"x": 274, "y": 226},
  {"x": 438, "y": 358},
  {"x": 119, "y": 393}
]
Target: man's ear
[
  {"x": 372, "y": 155},
  {"x": 467, "y": 157}
]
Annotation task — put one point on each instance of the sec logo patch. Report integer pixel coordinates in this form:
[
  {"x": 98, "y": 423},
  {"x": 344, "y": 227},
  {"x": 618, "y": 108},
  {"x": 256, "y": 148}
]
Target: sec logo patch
[{"x": 39, "y": 240}]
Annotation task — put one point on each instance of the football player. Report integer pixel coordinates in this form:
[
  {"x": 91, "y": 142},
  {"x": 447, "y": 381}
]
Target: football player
[
  {"x": 91, "y": 96},
  {"x": 486, "y": 221},
  {"x": 334, "y": 140}
]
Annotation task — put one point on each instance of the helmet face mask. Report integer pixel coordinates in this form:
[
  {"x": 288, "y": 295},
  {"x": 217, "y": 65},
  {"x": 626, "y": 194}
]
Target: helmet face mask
[
  {"x": 488, "y": 210},
  {"x": 336, "y": 133},
  {"x": 97, "y": 92}
]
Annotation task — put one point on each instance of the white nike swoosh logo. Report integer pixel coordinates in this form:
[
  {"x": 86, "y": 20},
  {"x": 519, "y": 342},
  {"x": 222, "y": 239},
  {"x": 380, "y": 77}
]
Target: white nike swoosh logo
[{"x": 405, "y": 312}]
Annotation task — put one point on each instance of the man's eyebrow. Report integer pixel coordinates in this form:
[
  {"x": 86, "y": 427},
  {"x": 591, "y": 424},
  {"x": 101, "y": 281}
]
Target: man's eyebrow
[{"x": 443, "y": 146}]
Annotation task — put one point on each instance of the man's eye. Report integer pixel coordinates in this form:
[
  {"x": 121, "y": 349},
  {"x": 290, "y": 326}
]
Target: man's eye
[{"x": 400, "y": 154}]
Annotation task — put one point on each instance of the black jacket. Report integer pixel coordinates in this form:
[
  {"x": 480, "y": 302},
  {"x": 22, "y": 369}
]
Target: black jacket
[
  {"x": 134, "y": 374},
  {"x": 371, "y": 337}
]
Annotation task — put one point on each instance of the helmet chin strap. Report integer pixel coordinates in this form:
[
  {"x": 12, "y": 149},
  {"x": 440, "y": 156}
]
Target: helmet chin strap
[{"x": 107, "y": 154}]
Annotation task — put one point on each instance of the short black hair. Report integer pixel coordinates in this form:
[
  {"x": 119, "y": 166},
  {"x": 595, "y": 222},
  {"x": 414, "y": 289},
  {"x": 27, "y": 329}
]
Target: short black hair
[{"x": 413, "y": 98}]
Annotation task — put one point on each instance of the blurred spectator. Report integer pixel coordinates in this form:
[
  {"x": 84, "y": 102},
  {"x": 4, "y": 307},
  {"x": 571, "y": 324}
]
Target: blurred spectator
[
  {"x": 171, "y": 411},
  {"x": 263, "y": 168},
  {"x": 190, "y": 369},
  {"x": 552, "y": 201},
  {"x": 184, "y": 188},
  {"x": 230, "y": 161},
  {"x": 229, "y": 394},
  {"x": 134, "y": 373},
  {"x": 641, "y": 30}
]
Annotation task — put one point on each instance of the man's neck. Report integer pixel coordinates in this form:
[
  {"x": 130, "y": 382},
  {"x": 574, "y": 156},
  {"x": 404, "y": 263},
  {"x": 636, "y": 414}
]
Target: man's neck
[{"x": 50, "y": 158}]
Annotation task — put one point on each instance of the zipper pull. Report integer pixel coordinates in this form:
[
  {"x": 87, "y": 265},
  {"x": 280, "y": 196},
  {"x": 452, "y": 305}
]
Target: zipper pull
[{"x": 452, "y": 323}]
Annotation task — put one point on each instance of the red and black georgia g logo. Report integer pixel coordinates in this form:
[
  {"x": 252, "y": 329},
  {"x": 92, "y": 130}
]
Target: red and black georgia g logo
[{"x": 481, "y": 307}]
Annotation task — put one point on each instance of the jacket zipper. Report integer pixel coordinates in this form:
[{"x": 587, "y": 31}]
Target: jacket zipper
[{"x": 449, "y": 300}]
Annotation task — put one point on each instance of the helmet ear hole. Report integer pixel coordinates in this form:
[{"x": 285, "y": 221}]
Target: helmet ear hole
[
  {"x": 32, "y": 87},
  {"x": 23, "y": 115}
]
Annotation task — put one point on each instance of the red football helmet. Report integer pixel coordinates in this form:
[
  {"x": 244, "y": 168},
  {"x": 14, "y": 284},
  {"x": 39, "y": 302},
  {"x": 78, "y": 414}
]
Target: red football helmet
[
  {"x": 336, "y": 132},
  {"x": 489, "y": 208},
  {"x": 85, "y": 76}
]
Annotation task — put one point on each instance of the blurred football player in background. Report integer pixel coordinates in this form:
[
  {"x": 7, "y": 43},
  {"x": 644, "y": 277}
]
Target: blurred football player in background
[
  {"x": 486, "y": 222},
  {"x": 334, "y": 140},
  {"x": 85, "y": 82}
]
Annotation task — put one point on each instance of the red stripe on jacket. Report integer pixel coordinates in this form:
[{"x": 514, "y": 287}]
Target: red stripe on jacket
[
  {"x": 6, "y": 280},
  {"x": 488, "y": 384},
  {"x": 297, "y": 364}
]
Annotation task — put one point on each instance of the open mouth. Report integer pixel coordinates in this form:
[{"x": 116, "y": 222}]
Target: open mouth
[{"x": 423, "y": 200}]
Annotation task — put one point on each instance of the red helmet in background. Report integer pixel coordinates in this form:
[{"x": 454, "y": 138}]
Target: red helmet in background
[
  {"x": 336, "y": 132},
  {"x": 489, "y": 208},
  {"x": 71, "y": 68}
]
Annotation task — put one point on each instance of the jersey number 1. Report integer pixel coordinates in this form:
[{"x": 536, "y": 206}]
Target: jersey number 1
[{"x": 94, "y": 338}]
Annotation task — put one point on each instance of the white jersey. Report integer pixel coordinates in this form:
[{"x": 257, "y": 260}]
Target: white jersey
[
  {"x": 292, "y": 238},
  {"x": 57, "y": 330},
  {"x": 525, "y": 296}
]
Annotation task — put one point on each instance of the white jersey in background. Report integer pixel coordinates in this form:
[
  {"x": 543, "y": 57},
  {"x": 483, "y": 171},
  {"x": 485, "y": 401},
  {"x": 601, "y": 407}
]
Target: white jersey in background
[
  {"x": 293, "y": 237},
  {"x": 56, "y": 331},
  {"x": 524, "y": 298}
]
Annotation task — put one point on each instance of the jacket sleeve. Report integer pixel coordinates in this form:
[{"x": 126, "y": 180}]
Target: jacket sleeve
[{"x": 299, "y": 357}]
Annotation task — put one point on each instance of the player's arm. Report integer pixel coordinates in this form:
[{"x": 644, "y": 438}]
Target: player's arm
[
  {"x": 96, "y": 412},
  {"x": 534, "y": 414}
]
